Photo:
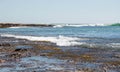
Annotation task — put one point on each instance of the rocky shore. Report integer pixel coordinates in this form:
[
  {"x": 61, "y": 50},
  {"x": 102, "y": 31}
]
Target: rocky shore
[
  {"x": 20, "y": 55},
  {"x": 5, "y": 25}
]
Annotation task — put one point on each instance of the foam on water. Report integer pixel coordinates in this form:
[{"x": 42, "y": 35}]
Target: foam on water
[
  {"x": 115, "y": 45},
  {"x": 58, "y": 26},
  {"x": 60, "y": 40},
  {"x": 68, "y": 41},
  {"x": 78, "y": 25}
]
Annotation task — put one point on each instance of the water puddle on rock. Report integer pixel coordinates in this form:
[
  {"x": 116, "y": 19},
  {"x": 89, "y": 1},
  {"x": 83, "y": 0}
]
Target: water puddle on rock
[{"x": 36, "y": 63}]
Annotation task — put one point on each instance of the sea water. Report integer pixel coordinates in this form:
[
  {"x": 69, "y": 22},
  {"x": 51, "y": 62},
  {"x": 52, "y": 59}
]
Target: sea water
[{"x": 69, "y": 35}]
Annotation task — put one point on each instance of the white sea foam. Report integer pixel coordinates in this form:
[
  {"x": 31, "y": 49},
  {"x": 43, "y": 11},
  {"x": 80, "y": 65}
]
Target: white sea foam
[
  {"x": 60, "y": 40},
  {"x": 78, "y": 25},
  {"x": 114, "y": 45},
  {"x": 58, "y": 26},
  {"x": 66, "y": 41}
]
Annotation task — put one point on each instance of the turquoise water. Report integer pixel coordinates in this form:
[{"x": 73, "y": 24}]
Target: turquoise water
[{"x": 105, "y": 35}]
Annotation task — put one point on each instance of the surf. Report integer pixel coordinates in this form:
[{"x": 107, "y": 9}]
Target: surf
[{"x": 60, "y": 40}]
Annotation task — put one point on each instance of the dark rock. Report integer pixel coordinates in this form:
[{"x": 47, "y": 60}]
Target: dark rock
[
  {"x": 15, "y": 55},
  {"x": 22, "y": 48},
  {"x": 43, "y": 54}
]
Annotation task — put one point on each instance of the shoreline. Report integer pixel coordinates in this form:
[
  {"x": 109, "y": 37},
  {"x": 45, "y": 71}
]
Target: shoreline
[{"x": 74, "y": 58}]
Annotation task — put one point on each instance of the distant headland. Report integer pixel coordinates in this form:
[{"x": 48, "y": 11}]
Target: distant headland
[{"x": 5, "y": 25}]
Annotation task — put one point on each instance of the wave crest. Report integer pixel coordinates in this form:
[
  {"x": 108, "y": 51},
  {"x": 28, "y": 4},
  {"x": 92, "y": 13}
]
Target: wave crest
[
  {"x": 60, "y": 40},
  {"x": 68, "y": 41}
]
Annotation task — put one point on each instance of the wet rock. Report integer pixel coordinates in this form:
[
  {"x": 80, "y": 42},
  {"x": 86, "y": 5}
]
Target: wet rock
[
  {"x": 4, "y": 44},
  {"x": 117, "y": 56},
  {"x": 43, "y": 54},
  {"x": 7, "y": 65},
  {"x": 15, "y": 55},
  {"x": 26, "y": 65},
  {"x": 22, "y": 48}
]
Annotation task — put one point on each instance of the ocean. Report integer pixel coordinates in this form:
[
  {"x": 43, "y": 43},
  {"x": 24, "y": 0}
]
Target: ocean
[{"x": 91, "y": 36}]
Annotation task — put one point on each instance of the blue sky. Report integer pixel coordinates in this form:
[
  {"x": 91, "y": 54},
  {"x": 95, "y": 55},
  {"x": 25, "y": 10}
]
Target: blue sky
[{"x": 60, "y": 11}]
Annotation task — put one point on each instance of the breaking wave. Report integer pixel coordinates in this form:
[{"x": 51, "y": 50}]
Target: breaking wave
[
  {"x": 60, "y": 40},
  {"x": 77, "y": 25},
  {"x": 58, "y": 26},
  {"x": 68, "y": 41}
]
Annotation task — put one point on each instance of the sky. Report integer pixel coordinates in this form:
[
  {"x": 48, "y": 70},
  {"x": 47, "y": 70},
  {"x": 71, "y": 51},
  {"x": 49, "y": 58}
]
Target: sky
[{"x": 60, "y": 11}]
